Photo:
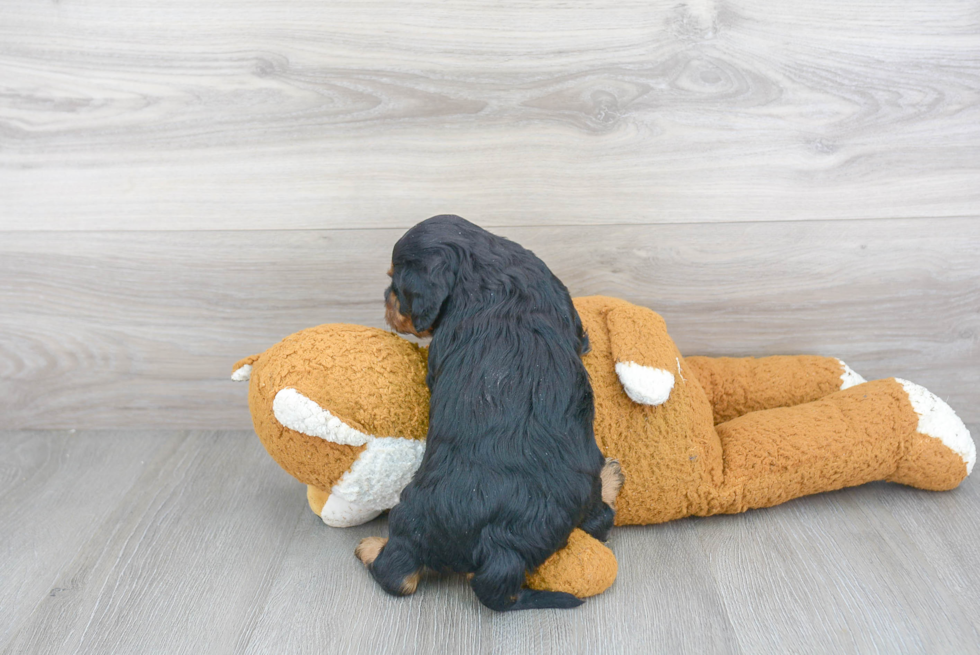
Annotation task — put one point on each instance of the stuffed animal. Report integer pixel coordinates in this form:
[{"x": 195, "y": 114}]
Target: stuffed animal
[{"x": 344, "y": 408}]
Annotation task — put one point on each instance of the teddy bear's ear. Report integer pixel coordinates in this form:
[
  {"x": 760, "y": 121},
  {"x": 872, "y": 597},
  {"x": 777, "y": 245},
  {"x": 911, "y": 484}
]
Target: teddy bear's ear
[{"x": 242, "y": 370}]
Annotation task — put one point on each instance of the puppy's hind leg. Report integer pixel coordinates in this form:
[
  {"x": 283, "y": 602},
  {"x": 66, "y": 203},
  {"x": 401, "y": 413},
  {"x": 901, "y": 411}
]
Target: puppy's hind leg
[
  {"x": 601, "y": 514},
  {"x": 498, "y": 585},
  {"x": 392, "y": 563},
  {"x": 598, "y": 519},
  {"x": 612, "y": 479}
]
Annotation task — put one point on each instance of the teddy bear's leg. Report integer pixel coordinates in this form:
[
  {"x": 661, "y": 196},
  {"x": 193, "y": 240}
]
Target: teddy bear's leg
[
  {"x": 584, "y": 567},
  {"x": 939, "y": 431},
  {"x": 739, "y": 385},
  {"x": 336, "y": 511},
  {"x": 882, "y": 430},
  {"x": 317, "y": 498}
]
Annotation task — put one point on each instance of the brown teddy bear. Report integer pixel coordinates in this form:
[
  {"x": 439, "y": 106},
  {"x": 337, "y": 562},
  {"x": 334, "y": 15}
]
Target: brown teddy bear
[{"x": 344, "y": 409}]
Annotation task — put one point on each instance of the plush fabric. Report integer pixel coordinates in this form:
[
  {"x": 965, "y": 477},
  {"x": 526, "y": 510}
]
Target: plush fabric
[{"x": 694, "y": 436}]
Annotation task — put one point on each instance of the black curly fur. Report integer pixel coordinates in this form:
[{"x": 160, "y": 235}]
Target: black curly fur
[{"x": 511, "y": 465}]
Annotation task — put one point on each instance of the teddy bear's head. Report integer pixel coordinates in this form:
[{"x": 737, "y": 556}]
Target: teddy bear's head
[{"x": 344, "y": 409}]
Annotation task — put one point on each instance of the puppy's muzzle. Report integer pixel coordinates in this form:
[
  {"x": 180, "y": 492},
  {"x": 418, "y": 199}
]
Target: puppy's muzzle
[{"x": 398, "y": 321}]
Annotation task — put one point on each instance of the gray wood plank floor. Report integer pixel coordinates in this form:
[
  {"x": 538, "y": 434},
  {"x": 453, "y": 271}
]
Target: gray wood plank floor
[{"x": 196, "y": 542}]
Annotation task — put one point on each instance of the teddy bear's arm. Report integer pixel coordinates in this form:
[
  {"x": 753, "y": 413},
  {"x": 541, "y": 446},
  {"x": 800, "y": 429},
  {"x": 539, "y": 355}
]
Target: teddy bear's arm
[
  {"x": 737, "y": 386},
  {"x": 647, "y": 361}
]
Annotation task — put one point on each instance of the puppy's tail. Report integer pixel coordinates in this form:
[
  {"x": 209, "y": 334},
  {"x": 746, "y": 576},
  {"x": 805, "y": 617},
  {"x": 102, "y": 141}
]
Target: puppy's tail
[
  {"x": 534, "y": 599},
  {"x": 499, "y": 584}
]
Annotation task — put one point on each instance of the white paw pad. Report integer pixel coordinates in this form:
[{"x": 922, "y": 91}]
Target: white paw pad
[
  {"x": 938, "y": 420},
  {"x": 849, "y": 378},
  {"x": 338, "y": 513},
  {"x": 644, "y": 384}
]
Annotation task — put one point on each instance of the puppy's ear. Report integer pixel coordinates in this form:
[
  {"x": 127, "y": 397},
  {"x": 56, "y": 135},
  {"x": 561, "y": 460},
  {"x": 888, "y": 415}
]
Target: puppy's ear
[
  {"x": 425, "y": 293},
  {"x": 584, "y": 347}
]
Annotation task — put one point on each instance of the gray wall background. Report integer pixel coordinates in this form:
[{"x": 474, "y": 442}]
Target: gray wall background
[{"x": 183, "y": 184}]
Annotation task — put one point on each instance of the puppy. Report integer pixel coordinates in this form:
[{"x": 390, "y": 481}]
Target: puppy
[{"x": 511, "y": 465}]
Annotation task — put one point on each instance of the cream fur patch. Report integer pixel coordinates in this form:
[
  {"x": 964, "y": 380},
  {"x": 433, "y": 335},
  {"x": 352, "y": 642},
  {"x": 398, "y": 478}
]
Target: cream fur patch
[
  {"x": 378, "y": 476},
  {"x": 297, "y": 412},
  {"x": 242, "y": 374},
  {"x": 938, "y": 420},
  {"x": 375, "y": 479},
  {"x": 849, "y": 378},
  {"x": 644, "y": 384},
  {"x": 338, "y": 513}
]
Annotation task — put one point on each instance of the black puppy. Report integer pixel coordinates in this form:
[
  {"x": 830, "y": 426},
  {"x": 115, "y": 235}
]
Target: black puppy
[{"x": 511, "y": 465}]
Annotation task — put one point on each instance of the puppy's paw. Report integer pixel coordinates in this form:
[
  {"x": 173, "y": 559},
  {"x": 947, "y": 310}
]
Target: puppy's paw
[
  {"x": 612, "y": 478},
  {"x": 410, "y": 583},
  {"x": 368, "y": 550}
]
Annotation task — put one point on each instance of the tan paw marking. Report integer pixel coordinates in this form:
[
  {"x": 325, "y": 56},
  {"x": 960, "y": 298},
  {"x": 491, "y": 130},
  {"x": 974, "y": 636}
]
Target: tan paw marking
[
  {"x": 410, "y": 583},
  {"x": 612, "y": 478},
  {"x": 368, "y": 550}
]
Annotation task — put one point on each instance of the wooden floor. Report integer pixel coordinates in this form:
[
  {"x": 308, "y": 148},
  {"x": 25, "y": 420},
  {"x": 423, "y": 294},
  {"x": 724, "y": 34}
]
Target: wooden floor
[{"x": 196, "y": 542}]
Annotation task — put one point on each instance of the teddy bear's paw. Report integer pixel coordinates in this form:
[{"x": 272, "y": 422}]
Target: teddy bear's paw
[
  {"x": 644, "y": 384},
  {"x": 242, "y": 374},
  {"x": 848, "y": 378},
  {"x": 939, "y": 421},
  {"x": 338, "y": 513}
]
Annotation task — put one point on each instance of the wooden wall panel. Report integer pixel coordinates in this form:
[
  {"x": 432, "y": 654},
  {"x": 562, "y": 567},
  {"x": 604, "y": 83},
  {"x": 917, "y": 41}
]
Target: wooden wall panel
[
  {"x": 309, "y": 115},
  {"x": 127, "y": 329}
]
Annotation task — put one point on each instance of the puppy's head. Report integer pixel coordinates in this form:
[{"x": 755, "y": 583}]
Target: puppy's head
[
  {"x": 394, "y": 317},
  {"x": 424, "y": 267}
]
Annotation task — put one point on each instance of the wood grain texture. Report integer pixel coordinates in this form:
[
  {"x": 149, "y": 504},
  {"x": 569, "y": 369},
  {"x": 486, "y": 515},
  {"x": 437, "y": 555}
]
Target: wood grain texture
[
  {"x": 212, "y": 549},
  {"x": 179, "y": 564},
  {"x": 302, "y": 114},
  {"x": 671, "y": 605},
  {"x": 853, "y": 579},
  {"x": 45, "y": 479},
  {"x": 131, "y": 329}
]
